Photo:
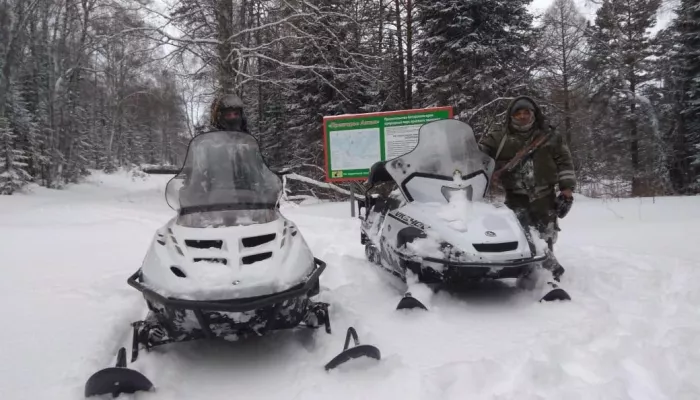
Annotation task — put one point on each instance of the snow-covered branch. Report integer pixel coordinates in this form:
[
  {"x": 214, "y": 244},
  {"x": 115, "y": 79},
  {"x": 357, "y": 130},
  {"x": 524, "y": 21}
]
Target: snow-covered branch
[{"x": 324, "y": 185}]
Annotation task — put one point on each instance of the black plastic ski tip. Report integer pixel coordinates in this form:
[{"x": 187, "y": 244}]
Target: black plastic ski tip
[
  {"x": 360, "y": 350},
  {"x": 556, "y": 294},
  {"x": 409, "y": 302},
  {"x": 117, "y": 380}
]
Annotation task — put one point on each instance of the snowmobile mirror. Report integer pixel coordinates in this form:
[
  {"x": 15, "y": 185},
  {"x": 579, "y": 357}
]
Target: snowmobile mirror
[
  {"x": 360, "y": 350},
  {"x": 172, "y": 191},
  {"x": 117, "y": 380}
]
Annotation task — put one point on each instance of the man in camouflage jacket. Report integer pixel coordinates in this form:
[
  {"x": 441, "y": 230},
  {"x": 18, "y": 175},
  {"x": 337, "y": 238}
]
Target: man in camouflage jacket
[{"x": 530, "y": 188}]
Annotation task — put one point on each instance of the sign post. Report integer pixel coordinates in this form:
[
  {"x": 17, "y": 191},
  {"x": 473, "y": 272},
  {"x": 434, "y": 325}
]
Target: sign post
[
  {"x": 353, "y": 143},
  {"x": 352, "y": 200}
]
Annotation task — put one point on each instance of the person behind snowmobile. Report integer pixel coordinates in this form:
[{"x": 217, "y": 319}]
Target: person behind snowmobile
[
  {"x": 227, "y": 114},
  {"x": 530, "y": 187}
]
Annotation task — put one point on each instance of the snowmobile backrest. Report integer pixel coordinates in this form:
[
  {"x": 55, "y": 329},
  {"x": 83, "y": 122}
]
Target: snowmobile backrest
[{"x": 378, "y": 174}]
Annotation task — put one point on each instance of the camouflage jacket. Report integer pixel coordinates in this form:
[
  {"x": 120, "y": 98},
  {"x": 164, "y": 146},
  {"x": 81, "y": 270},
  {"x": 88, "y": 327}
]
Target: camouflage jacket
[{"x": 551, "y": 164}]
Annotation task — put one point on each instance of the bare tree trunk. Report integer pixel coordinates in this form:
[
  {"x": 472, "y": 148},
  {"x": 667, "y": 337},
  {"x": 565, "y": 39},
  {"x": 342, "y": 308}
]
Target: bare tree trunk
[
  {"x": 409, "y": 54},
  {"x": 634, "y": 140},
  {"x": 260, "y": 85},
  {"x": 224, "y": 16},
  {"x": 381, "y": 28},
  {"x": 399, "y": 41},
  {"x": 12, "y": 36},
  {"x": 565, "y": 75}
]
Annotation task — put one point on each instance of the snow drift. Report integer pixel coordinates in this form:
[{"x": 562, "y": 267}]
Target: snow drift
[{"x": 632, "y": 331}]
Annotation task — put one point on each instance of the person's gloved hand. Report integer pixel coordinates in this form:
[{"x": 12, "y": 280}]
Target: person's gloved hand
[{"x": 564, "y": 202}]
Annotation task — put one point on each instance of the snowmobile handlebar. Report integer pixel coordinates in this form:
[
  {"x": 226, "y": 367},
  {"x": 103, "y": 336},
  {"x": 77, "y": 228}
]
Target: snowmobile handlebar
[{"x": 235, "y": 305}]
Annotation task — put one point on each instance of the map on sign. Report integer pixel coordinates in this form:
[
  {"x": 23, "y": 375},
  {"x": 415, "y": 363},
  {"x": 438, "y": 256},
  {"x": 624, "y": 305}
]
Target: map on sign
[
  {"x": 353, "y": 143},
  {"x": 355, "y": 149}
]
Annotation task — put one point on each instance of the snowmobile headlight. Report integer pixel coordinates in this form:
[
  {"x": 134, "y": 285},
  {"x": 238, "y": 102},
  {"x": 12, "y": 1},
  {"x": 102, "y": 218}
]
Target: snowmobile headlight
[
  {"x": 450, "y": 192},
  {"x": 450, "y": 252}
]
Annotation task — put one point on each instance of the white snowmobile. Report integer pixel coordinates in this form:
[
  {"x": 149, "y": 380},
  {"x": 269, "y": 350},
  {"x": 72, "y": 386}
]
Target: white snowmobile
[
  {"x": 437, "y": 226},
  {"x": 228, "y": 266}
]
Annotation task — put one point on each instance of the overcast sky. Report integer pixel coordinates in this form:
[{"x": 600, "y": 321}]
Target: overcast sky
[{"x": 588, "y": 9}]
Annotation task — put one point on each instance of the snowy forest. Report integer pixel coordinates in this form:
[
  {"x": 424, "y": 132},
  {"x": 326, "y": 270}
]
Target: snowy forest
[{"x": 105, "y": 84}]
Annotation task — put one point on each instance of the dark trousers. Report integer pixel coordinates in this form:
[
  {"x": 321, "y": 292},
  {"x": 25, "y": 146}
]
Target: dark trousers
[{"x": 539, "y": 214}]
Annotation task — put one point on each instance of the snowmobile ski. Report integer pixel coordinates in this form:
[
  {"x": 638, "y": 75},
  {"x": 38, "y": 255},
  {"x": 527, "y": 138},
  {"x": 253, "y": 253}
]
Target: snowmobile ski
[
  {"x": 359, "y": 350},
  {"x": 117, "y": 380},
  {"x": 555, "y": 294},
  {"x": 408, "y": 302}
]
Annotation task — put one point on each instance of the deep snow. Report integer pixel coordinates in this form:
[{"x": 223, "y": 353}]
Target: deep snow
[{"x": 632, "y": 331}]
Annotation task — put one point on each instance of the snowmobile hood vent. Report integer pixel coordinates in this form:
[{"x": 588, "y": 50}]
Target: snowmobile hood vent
[
  {"x": 256, "y": 241},
  {"x": 256, "y": 258},
  {"x": 495, "y": 247},
  {"x": 212, "y": 260},
  {"x": 204, "y": 244}
]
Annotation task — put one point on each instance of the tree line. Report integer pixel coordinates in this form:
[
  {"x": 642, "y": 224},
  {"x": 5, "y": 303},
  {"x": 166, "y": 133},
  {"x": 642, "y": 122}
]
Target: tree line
[
  {"x": 102, "y": 84},
  {"x": 80, "y": 88}
]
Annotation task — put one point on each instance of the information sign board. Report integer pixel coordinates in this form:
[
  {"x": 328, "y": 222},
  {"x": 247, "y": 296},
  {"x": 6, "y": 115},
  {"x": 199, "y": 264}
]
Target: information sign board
[{"x": 353, "y": 143}]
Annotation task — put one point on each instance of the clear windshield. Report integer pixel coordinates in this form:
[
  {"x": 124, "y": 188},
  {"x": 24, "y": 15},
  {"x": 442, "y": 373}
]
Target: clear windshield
[
  {"x": 223, "y": 171},
  {"x": 447, "y": 159}
]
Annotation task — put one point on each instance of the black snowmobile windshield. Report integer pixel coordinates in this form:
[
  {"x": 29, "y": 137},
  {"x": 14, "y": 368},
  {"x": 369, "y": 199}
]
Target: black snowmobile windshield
[
  {"x": 223, "y": 171},
  {"x": 447, "y": 160}
]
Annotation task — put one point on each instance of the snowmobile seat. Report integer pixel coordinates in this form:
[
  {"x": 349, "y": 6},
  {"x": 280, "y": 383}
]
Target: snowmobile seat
[{"x": 378, "y": 174}]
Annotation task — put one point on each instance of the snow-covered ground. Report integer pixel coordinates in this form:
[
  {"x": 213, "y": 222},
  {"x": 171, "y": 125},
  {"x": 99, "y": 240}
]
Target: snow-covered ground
[{"x": 632, "y": 331}]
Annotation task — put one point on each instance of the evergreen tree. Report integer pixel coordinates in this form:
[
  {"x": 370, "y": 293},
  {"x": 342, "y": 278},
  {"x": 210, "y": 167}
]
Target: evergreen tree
[
  {"x": 688, "y": 57},
  {"x": 329, "y": 79},
  {"x": 564, "y": 55},
  {"x": 13, "y": 174},
  {"x": 471, "y": 51},
  {"x": 620, "y": 55}
]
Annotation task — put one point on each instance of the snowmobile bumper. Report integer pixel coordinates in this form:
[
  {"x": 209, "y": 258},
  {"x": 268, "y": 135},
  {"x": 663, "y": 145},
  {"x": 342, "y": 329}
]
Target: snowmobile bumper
[
  {"x": 464, "y": 271},
  {"x": 236, "y": 305},
  {"x": 178, "y": 320}
]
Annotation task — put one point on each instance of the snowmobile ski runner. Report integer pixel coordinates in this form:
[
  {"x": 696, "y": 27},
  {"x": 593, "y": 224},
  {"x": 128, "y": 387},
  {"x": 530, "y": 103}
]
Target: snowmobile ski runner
[
  {"x": 437, "y": 226},
  {"x": 117, "y": 380},
  {"x": 359, "y": 350},
  {"x": 227, "y": 266},
  {"x": 408, "y": 302}
]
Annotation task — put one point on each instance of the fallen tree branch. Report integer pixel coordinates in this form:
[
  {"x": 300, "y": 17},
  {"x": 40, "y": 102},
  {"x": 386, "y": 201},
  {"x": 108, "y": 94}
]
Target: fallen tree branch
[
  {"x": 300, "y": 178},
  {"x": 302, "y": 197}
]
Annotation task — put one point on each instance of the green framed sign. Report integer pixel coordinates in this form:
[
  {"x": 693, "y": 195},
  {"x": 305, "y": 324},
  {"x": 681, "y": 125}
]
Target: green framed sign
[{"x": 353, "y": 143}]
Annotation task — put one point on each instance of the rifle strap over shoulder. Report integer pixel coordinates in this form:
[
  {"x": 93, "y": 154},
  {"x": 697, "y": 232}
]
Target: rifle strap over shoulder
[
  {"x": 527, "y": 151},
  {"x": 500, "y": 146}
]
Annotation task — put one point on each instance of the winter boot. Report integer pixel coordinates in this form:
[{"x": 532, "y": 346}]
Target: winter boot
[
  {"x": 558, "y": 272},
  {"x": 552, "y": 264}
]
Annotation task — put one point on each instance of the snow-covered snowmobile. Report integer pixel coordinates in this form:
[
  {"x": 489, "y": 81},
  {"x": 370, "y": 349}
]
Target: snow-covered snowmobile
[
  {"x": 437, "y": 226},
  {"x": 227, "y": 266}
]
